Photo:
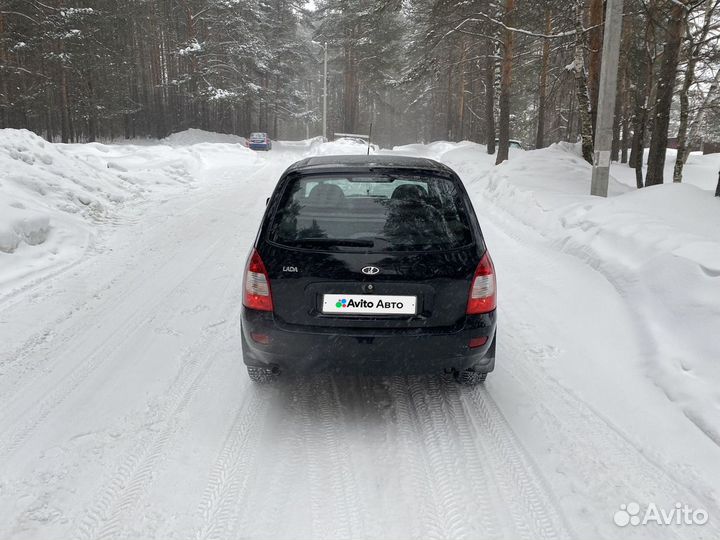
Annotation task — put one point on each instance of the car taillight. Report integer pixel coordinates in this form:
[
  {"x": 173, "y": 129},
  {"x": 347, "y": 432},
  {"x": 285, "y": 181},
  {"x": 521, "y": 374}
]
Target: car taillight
[
  {"x": 257, "y": 285},
  {"x": 483, "y": 293}
]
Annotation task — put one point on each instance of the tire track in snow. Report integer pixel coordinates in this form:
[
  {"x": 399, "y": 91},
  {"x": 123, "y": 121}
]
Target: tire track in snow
[
  {"x": 231, "y": 474},
  {"x": 122, "y": 494},
  {"x": 533, "y": 511},
  {"x": 274, "y": 494},
  {"x": 438, "y": 444},
  {"x": 417, "y": 433},
  {"x": 36, "y": 413},
  {"x": 365, "y": 408},
  {"x": 336, "y": 426},
  {"x": 466, "y": 462},
  {"x": 603, "y": 447},
  {"x": 310, "y": 447},
  {"x": 479, "y": 474},
  {"x": 330, "y": 473},
  {"x": 48, "y": 336},
  {"x": 78, "y": 324}
]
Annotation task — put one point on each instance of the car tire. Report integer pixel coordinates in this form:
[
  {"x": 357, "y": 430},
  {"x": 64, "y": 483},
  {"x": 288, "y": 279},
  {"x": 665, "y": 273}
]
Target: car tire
[
  {"x": 469, "y": 377},
  {"x": 260, "y": 375}
]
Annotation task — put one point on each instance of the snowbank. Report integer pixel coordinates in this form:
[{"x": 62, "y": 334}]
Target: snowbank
[
  {"x": 54, "y": 197},
  {"x": 339, "y": 148},
  {"x": 700, "y": 170},
  {"x": 660, "y": 247},
  {"x": 198, "y": 136},
  {"x": 466, "y": 158},
  {"x": 20, "y": 225},
  {"x": 49, "y": 200}
]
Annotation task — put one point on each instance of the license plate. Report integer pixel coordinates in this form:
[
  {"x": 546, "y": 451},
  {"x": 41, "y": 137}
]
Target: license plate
[{"x": 369, "y": 304}]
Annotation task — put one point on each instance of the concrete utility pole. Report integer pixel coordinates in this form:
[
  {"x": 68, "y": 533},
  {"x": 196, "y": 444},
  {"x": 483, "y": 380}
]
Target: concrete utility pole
[
  {"x": 607, "y": 97},
  {"x": 325, "y": 95}
]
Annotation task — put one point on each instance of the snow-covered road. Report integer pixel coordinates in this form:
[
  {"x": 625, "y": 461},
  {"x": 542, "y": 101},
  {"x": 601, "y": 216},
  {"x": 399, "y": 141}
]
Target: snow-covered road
[{"x": 125, "y": 410}]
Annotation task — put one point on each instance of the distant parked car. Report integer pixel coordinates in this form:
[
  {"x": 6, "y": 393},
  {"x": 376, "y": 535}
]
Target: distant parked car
[
  {"x": 514, "y": 143},
  {"x": 259, "y": 141}
]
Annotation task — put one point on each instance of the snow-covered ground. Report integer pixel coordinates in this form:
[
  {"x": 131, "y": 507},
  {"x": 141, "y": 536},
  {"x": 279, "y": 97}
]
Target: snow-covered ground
[
  {"x": 57, "y": 200},
  {"x": 125, "y": 411},
  {"x": 659, "y": 247},
  {"x": 700, "y": 170}
]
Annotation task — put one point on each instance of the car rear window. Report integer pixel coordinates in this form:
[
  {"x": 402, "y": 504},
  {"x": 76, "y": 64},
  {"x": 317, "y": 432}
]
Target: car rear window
[{"x": 378, "y": 212}]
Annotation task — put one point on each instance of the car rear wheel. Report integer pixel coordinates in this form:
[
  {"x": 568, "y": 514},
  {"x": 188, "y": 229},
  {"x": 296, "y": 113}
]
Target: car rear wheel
[
  {"x": 469, "y": 377},
  {"x": 261, "y": 375}
]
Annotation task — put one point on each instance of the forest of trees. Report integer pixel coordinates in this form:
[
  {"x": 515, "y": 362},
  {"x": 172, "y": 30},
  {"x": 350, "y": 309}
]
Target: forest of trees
[{"x": 418, "y": 70}]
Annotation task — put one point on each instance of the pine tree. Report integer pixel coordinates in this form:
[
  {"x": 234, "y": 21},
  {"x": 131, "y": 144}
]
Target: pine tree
[{"x": 665, "y": 91}]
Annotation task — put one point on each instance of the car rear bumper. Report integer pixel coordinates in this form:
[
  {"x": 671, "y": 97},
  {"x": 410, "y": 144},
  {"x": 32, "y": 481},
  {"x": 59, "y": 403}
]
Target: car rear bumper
[
  {"x": 393, "y": 350},
  {"x": 253, "y": 146}
]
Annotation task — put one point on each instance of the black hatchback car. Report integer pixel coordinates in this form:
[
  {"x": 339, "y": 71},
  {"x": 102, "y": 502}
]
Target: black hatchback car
[{"x": 374, "y": 264}]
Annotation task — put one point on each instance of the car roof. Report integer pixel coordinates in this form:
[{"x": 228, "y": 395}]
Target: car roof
[{"x": 363, "y": 163}]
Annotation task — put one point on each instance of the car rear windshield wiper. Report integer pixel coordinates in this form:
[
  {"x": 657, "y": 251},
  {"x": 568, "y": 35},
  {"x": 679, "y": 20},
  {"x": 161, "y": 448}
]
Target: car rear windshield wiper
[{"x": 349, "y": 242}]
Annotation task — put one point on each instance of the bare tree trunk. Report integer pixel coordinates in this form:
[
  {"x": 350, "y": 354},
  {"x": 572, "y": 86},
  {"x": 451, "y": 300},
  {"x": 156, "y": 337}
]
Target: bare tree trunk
[
  {"x": 4, "y": 80},
  {"x": 696, "y": 124},
  {"x": 595, "y": 21},
  {"x": 275, "y": 134},
  {"x": 65, "y": 127},
  {"x": 490, "y": 65},
  {"x": 461, "y": 91},
  {"x": 449, "y": 98},
  {"x": 627, "y": 83},
  {"x": 619, "y": 148},
  {"x": 717, "y": 189},
  {"x": 572, "y": 105},
  {"x": 643, "y": 93},
  {"x": 505, "y": 86},
  {"x": 542, "y": 99},
  {"x": 639, "y": 144},
  {"x": 639, "y": 115},
  {"x": 93, "y": 115},
  {"x": 617, "y": 124},
  {"x": 693, "y": 56},
  {"x": 64, "y": 107},
  {"x": 663, "y": 99},
  {"x": 625, "y": 142},
  {"x": 350, "y": 88},
  {"x": 581, "y": 90},
  {"x": 684, "y": 113}
]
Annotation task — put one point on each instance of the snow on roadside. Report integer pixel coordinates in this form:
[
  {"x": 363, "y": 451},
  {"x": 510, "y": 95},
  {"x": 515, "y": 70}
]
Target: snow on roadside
[
  {"x": 198, "y": 136},
  {"x": 700, "y": 170},
  {"x": 54, "y": 197},
  {"x": 338, "y": 148},
  {"x": 49, "y": 201},
  {"x": 660, "y": 248}
]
